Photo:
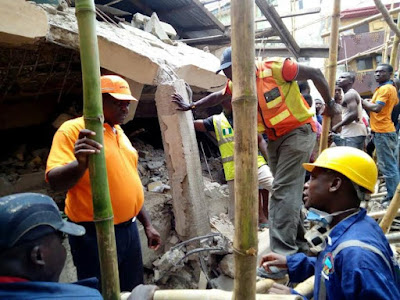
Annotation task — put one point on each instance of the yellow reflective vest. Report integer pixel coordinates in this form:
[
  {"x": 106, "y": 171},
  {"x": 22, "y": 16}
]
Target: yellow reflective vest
[{"x": 226, "y": 144}]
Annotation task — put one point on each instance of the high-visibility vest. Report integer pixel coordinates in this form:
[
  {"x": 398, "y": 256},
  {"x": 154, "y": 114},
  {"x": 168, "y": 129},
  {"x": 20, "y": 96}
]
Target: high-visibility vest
[
  {"x": 226, "y": 144},
  {"x": 281, "y": 107}
]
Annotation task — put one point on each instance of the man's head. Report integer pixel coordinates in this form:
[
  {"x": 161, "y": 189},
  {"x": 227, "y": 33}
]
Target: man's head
[
  {"x": 383, "y": 73},
  {"x": 338, "y": 94},
  {"x": 116, "y": 98},
  {"x": 226, "y": 63},
  {"x": 339, "y": 177},
  {"x": 319, "y": 106},
  {"x": 31, "y": 229},
  {"x": 346, "y": 80}
]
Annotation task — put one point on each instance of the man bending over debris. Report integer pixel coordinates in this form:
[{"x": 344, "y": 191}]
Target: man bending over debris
[
  {"x": 222, "y": 125},
  {"x": 67, "y": 169},
  {"x": 286, "y": 118},
  {"x": 355, "y": 260},
  {"x": 32, "y": 255}
]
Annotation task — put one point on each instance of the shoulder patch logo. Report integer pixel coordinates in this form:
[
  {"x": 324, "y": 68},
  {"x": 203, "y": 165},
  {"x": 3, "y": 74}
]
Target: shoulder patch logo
[{"x": 328, "y": 264}]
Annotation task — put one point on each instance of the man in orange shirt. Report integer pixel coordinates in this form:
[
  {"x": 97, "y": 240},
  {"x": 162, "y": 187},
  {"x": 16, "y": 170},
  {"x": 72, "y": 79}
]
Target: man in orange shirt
[
  {"x": 67, "y": 169},
  {"x": 385, "y": 137}
]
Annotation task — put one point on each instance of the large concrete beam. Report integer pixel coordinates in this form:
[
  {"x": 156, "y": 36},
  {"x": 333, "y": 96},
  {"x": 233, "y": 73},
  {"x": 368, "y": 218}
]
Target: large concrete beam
[
  {"x": 183, "y": 163},
  {"x": 21, "y": 22},
  {"x": 139, "y": 55}
]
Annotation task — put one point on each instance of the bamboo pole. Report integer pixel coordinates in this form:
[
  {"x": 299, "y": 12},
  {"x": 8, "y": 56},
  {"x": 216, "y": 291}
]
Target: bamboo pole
[
  {"x": 264, "y": 285},
  {"x": 386, "y": 39},
  {"x": 93, "y": 115},
  {"x": 363, "y": 21},
  {"x": 393, "y": 55},
  {"x": 331, "y": 70},
  {"x": 391, "y": 211},
  {"x": 386, "y": 16},
  {"x": 213, "y": 295},
  {"x": 306, "y": 288},
  {"x": 244, "y": 103}
]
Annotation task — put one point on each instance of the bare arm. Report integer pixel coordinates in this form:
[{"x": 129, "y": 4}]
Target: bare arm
[
  {"x": 262, "y": 146},
  {"x": 369, "y": 106},
  {"x": 199, "y": 126},
  {"x": 210, "y": 100},
  {"x": 153, "y": 237},
  {"x": 306, "y": 72},
  {"x": 351, "y": 102},
  {"x": 65, "y": 177}
]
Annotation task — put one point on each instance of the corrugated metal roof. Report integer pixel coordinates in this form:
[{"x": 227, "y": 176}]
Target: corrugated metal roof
[
  {"x": 189, "y": 17},
  {"x": 360, "y": 12}
]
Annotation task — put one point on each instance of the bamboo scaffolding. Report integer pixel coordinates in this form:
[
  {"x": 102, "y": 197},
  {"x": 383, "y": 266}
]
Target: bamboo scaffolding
[
  {"x": 331, "y": 70},
  {"x": 391, "y": 211},
  {"x": 386, "y": 16},
  {"x": 386, "y": 39},
  {"x": 393, "y": 55},
  {"x": 93, "y": 116},
  {"x": 213, "y": 295},
  {"x": 363, "y": 21},
  {"x": 244, "y": 103}
]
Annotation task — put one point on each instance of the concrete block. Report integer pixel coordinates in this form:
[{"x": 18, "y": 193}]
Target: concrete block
[
  {"x": 154, "y": 27},
  {"x": 227, "y": 265},
  {"x": 183, "y": 163},
  {"x": 139, "y": 21},
  {"x": 22, "y": 22}
]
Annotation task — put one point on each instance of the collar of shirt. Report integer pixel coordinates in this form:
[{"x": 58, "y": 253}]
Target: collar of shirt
[
  {"x": 343, "y": 225},
  {"x": 11, "y": 279},
  {"x": 384, "y": 83}
]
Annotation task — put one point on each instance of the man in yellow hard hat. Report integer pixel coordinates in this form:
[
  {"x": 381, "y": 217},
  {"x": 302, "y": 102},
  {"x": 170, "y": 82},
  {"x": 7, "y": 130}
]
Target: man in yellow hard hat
[{"x": 354, "y": 259}]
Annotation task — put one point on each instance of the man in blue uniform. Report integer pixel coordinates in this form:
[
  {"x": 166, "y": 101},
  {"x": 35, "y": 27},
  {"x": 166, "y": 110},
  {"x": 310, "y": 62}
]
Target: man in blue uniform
[
  {"x": 354, "y": 259},
  {"x": 32, "y": 255}
]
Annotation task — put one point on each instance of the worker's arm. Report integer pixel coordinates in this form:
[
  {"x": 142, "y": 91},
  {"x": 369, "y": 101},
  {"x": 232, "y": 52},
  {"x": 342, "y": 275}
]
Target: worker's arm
[
  {"x": 369, "y": 106},
  {"x": 65, "y": 177},
  {"x": 352, "y": 106},
  {"x": 199, "y": 126},
  {"x": 212, "y": 99},
  {"x": 153, "y": 237},
  {"x": 306, "y": 72},
  {"x": 262, "y": 146}
]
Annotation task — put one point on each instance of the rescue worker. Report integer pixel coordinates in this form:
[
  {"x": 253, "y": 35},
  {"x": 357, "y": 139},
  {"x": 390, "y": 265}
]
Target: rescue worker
[
  {"x": 286, "y": 118},
  {"x": 354, "y": 259}
]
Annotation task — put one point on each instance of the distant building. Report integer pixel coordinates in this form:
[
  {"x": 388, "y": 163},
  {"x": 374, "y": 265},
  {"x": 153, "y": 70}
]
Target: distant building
[{"x": 360, "y": 48}]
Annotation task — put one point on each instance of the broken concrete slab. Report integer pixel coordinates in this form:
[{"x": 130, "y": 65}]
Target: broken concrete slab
[
  {"x": 227, "y": 265},
  {"x": 183, "y": 162},
  {"x": 154, "y": 27},
  {"x": 22, "y": 22},
  {"x": 139, "y": 21}
]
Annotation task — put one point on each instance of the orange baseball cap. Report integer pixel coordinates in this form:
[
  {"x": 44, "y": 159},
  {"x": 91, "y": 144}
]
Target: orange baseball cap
[{"x": 116, "y": 87}]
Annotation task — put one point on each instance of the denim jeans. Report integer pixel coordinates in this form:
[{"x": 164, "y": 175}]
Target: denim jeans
[
  {"x": 355, "y": 141},
  {"x": 387, "y": 152}
]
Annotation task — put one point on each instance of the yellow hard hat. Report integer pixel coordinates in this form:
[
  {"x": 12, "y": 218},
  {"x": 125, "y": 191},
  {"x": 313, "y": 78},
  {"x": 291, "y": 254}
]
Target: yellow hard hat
[{"x": 353, "y": 163}]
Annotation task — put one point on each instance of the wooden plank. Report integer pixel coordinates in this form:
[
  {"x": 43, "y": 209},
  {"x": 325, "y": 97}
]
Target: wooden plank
[{"x": 274, "y": 19}]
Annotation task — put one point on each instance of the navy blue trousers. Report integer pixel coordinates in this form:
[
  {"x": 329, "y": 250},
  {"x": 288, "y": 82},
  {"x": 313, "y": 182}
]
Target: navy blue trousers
[{"x": 86, "y": 257}]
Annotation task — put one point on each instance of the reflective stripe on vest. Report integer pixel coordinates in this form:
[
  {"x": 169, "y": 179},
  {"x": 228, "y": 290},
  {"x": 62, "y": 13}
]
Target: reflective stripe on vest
[
  {"x": 344, "y": 245},
  {"x": 225, "y": 138},
  {"x": 281, "y": 106}
]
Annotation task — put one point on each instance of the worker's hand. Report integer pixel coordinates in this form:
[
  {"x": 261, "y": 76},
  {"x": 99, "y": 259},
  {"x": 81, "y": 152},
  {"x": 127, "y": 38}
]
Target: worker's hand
[
  {"x": 143, "y": 292},
  {"x": 182, "y": 105},
  {"x": 85, "y": 146},
  {"x": 279, "y": 289},
  {"x": 153, "y": 237},
  {"x": 275, "y": 260}
]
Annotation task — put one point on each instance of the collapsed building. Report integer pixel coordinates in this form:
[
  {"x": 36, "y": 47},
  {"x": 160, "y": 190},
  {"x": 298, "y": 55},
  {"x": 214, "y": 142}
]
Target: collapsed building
[{"x": 41, "y": 88}]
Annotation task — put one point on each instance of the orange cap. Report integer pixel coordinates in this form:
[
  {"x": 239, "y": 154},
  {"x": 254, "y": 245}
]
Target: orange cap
[{"x": 116, "y": 87}]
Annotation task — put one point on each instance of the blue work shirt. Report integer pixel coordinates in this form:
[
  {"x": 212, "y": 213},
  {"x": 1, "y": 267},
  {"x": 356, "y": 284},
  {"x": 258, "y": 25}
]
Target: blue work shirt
[
  {"x": 32, "y": 290},
  {"x": 355, "y": 272}
]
